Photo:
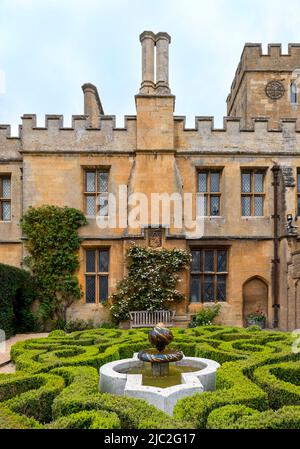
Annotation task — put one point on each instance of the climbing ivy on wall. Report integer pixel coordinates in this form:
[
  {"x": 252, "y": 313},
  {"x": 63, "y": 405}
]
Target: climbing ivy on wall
[
  {"x": 151, "y": 281},
  {"x": 52, "y": 244}
]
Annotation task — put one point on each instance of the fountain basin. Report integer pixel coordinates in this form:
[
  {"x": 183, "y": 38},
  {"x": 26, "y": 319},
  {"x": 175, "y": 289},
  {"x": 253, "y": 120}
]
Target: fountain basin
[{"x": 115, "y": 380}]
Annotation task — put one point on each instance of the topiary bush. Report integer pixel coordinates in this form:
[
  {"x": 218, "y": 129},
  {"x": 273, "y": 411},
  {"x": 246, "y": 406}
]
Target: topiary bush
[
  {"x": 18, "y": 292},
  {"x": 56, "y": 383}
]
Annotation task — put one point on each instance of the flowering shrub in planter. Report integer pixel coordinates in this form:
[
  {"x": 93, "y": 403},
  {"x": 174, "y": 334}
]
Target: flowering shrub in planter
[
  {"x": 257, "y": 319},
  {"x": 206, "y": 316}
]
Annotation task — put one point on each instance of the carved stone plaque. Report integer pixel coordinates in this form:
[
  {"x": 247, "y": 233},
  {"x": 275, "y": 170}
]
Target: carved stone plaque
[
  {"x": 288, "y": 176},
  {"x": 275, "y": 90},
  {"x": 155, "y": 238}
]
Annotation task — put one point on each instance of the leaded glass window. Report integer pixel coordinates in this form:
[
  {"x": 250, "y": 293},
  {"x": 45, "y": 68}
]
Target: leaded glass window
[
  {"x": 253, "y": 196},
  {"x": 209, "y": 193},
  {"x": 246, "y": 206},
  {"x": 195, "y": 294},
  {"x": 294, "y": 91},
  {"x": 209, "y": 271},
  {"x": 96, "y": 191},
  {"x": 5, "y": 198},
  {"x": 209, "y": 288},
  {"x": 298, "y": 192},
  {"x": 96, "y": 275}
]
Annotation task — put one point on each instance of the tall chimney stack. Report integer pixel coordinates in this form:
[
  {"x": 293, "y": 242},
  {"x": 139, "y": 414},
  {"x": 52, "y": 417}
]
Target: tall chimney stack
[
  {"x": 162, "y": 63},
  {"x": 92, "y": 104},
  {"x": 147, "y": 39},
  {"x": 151, "y": 42}
]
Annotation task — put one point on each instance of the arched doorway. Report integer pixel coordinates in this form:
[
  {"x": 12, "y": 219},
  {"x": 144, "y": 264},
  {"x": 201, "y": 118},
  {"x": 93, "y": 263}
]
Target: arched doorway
[{"x": 255, "y": 297}]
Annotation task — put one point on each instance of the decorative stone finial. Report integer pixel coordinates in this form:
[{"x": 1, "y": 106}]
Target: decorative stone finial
[{"x": 160, "y": 337}]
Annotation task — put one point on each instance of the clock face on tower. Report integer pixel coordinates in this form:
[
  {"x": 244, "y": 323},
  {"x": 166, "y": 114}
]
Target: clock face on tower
[{"x": 275, "y": 90}]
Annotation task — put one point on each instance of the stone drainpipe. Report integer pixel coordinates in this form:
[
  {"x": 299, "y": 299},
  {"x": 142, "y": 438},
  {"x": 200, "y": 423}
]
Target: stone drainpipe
[{"x": 276, "y": 260}]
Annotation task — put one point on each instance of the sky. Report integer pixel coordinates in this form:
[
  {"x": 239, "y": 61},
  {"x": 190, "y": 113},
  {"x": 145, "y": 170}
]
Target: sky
[{"x": 49, "y": 48}]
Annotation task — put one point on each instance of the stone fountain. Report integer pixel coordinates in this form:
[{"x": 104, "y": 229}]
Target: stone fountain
[
  {"x": 160, "y": 359},
  {"x": 171, "y": 375}
]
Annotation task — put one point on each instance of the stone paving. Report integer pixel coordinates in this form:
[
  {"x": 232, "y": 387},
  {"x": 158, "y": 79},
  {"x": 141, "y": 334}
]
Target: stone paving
[{"x": 5, "y": 366}]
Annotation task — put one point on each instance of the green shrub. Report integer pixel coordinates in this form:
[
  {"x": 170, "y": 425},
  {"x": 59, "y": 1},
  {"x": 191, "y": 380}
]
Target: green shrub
[
  {"x": 87, "y": 420},
  {"x": 227, "y": 417},
  {"x": 206, "y": 316},
  {"x": 241, "y": 417},
  {"x": 254, "y": 328},
  {"x": 82, "y": 393},
  {"x": 17, "y": 295},
  {"x": 15, "y": 384},
  {"x": 78, "y": 325},
  {"x": 284, "y": 418},
  {"x": 38, "y": 361},
  {"x": 57, "y": 333},
  {"x": 280, "y": 392},
  {"x": 11, "y": 420},
  {"x": 234, "y": 387},
  {"x": 37, "y": 403}
]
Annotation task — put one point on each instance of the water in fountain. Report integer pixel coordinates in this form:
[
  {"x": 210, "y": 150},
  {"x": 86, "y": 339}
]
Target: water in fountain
[
  {"x": 160, "y": 369},
  {"x": 173, "y": 377}
]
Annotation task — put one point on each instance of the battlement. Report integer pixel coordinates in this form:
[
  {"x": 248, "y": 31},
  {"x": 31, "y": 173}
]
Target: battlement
[
  {"x": 5, "y": 132},
  {"x": 205, "y": 124},
  {"x": 10, "y": 146},
  {"x": 254, "y": 60},
  {"x": 78, "y": 122},
  {"x": 80, "y": 136},
  {"x": 233, "y": 138}
]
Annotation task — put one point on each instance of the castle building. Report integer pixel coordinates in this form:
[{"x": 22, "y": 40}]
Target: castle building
[{"x": 244, "y": 179}]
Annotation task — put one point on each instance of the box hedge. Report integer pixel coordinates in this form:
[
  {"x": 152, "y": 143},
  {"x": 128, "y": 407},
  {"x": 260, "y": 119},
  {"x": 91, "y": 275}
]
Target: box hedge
[
  {"x": 241, "y": 417},
  {"x": 56, "y": 384}
]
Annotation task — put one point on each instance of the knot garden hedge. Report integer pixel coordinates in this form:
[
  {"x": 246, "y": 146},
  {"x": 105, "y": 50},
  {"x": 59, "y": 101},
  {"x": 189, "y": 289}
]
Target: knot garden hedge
[{"x": 56, "y": 382}]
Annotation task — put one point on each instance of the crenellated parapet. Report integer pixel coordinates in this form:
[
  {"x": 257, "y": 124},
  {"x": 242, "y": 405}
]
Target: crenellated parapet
[
  {"x": 9, "y": 146},
  {"x": 234, "y": 138},
  {"x": 80, "y": 137},
  {"x": 54, "y": 137}
]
